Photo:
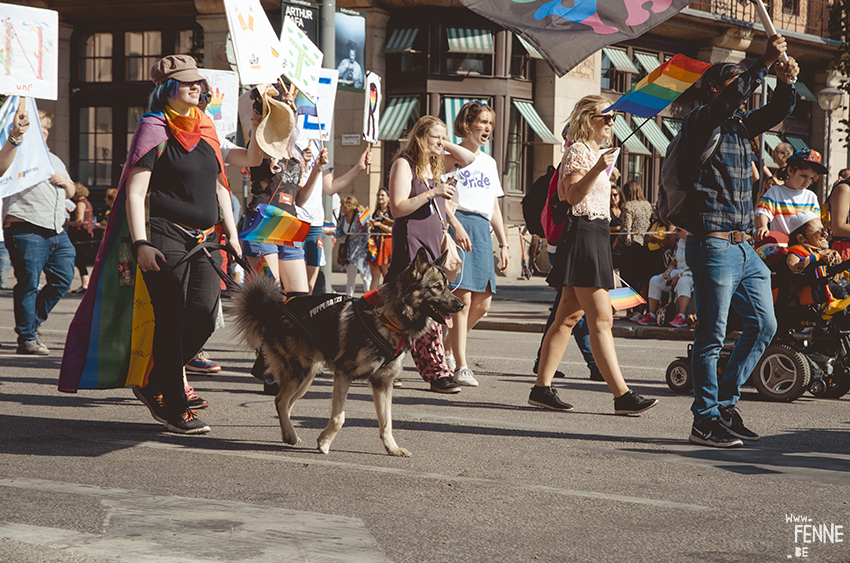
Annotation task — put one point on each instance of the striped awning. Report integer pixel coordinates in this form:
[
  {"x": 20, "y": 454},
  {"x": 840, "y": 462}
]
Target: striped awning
[
  {"x": 647, "y": 61},
  {"x": 620, "y": 60},
  {"x": 768, "y": 160},
  {"x": 401, "y": 40},
  {"x": 470, "y": 40},
  {"x": 796, "y": 142},
  {"x": 802, "y": 89},
  {"x": 771, "y": 140},
  {"x": 452, "y": 106},
  {"x": 395, "y": 116},
  {"x": 653, "y": 132},
  {"x": 526, "y": 109},
  {"x": 672, "y": 126},
  {"x": 633, "y": 144},
  {"x": 532, "y": 52}
]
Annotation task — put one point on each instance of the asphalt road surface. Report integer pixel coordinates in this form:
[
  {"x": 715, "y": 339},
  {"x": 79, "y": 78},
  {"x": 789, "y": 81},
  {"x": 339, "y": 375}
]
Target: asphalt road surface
[{"x": 91, "y": 477}]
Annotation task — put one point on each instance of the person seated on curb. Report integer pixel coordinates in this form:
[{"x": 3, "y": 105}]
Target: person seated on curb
[{"x": 677, "y": 278}]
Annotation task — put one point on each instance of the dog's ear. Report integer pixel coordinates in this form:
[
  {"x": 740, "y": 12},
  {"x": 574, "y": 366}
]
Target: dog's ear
[
  {"x": 421, "y": 262},
  {"x": 441, "y": 261}
]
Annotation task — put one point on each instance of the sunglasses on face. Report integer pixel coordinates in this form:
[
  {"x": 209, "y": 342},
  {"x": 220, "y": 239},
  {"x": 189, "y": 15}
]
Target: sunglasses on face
[
  {"x": 609, "y": 119},
  {"x": 206, "y": 97}
]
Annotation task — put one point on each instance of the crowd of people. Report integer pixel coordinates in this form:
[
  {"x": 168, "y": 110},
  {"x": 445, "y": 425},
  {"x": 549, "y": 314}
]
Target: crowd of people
[{"x": 174, "y": 204}]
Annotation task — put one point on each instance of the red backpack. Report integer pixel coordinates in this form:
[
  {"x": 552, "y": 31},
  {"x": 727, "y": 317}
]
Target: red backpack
[{"x": 551, "y": 228}]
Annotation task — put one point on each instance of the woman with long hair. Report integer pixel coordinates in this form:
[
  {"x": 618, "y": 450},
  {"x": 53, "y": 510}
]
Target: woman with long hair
[
  {"x": 350, "y": 229},
  {"x": 583, "y": 267},
  {"x": 478, "y": 192},
  {"x": 636, "y": 218},
  {"x": 381, "y": 226},
  {"x": 418, "y": 203},
  {"x": 81, "y": 232}
]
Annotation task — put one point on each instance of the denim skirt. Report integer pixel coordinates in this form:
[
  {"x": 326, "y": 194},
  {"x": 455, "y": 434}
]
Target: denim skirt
[{"x": 479, "y": 270}]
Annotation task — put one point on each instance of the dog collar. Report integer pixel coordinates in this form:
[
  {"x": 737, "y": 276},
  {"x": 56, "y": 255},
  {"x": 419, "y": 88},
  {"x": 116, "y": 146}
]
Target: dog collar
[
  {"x": 374, "y": 299},
  {"x": 369, "y": 299}
]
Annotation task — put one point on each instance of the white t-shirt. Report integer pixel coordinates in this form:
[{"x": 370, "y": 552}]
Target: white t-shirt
[
  {"x": 313, "y": 211},
  {"x": 225, "y": 146},
  {"x": 780, "y": 203},
  {"x": 478, "y": 186}
]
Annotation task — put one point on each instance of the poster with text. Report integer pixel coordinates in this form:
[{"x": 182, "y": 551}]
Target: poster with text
[
  {"x": 372, "y": 108},
  {"x": 350, "y": 48},
  {"x": 223, "y": 105},
  {"x": 32, "y": 163},
  {"x": 29, "y": 53},
  {"x": 314, "y": 120},
  {"x": 303, "y": 59},
  {"x": 305, "y": 16},
  {"x": 255, "y": 44}
]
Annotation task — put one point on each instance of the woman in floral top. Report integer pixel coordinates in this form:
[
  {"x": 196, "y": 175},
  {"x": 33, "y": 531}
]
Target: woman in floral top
[{"x": 636, "y": 217}]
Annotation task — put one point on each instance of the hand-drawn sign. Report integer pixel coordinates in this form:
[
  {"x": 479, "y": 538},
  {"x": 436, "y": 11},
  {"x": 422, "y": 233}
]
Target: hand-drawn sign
[{"x": 29, "y": 58}]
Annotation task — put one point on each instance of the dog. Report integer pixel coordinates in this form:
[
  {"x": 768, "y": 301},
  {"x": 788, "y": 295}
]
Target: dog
[{"x": 353, "y": 338}]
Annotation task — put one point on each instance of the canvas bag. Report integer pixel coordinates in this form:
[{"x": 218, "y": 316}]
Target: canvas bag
[{"x": 448, "y": 245}]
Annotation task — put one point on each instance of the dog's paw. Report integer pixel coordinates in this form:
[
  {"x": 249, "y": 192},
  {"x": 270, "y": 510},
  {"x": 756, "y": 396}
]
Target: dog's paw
[
  {"x": 324, "y": 448},
  {"x": 293, "y": 440},
  {"x": 399, "y": 452}
]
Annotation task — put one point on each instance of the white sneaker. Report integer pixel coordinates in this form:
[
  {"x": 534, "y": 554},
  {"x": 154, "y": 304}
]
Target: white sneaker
[
  {"x": 464, "y": 376},
  {"x": 450, "y": 362}
]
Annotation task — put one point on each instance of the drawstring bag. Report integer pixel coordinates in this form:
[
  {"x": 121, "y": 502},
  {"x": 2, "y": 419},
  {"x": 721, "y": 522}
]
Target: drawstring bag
[{"x": 448, "y": 245}]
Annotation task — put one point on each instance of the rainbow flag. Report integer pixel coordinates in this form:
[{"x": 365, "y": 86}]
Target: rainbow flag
[
  {"x": 275, "y": 226},
  {"x": 365, "y": 215},
  {"x": 661, "y": 87},
  {"x": 625, "y": 298}
]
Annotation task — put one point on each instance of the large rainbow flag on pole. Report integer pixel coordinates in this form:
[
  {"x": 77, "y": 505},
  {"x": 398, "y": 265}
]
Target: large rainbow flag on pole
[
  {"x": 661, "y": 87},
  {"x": 275, "y": 226}
]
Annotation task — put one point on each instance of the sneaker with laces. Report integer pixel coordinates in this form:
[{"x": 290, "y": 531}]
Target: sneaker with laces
[
  {"x": 187, "y": 423},
  {"x": 731, "y": 419},
  {"x": 632, "y": 403},
  {"x": 679, "y": 321},
  {"x": 547, "y": 398},
  {"x": 153, "y": 402},
  {"x": 202, "y": 364},
  {"x": 32, "y": 348},
  {"x": 636, "y": 317},
  {"x": 450, "y": 362},
  {"x": 649, "y": 319},
  {"x": 712, "y": 433},
  {"x": 445, "y": 385},
  {"x": 192, "y": 398},
  {"x": 464, "y": 376}
]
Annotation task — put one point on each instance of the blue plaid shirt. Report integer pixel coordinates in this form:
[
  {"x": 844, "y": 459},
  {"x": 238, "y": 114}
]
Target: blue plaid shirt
[{"x": 722, "y": 197}]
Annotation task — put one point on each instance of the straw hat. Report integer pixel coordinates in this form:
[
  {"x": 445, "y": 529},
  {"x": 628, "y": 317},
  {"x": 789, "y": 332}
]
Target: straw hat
[{"x": 277, "y": 124}]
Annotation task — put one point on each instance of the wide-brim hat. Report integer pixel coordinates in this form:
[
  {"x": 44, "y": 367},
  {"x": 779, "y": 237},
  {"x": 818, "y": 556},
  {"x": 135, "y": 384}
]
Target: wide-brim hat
[
  {"x": 794, "y": 222},
  {"x": 182, "y": 68},
  {"x": 273, "y": 132},
  {"x": 808, "y": 157}
]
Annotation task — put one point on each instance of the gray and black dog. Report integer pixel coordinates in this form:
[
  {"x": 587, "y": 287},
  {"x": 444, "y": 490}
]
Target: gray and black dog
[{"x": 354, "y": 338}]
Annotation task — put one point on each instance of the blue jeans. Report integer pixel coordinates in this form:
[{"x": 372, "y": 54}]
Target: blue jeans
[
  {"x": 34, "y": 250},
  {"x": 5, "y": 265},
  {"x": 580, "y": 332},
  {"x": 725, "y": 275}
]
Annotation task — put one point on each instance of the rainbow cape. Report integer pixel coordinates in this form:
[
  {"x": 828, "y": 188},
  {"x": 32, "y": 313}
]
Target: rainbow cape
[
  {"x": 110, "y": 339},
  {"x": 660, "y": 87},
  {"x": 273, "y": 225}
]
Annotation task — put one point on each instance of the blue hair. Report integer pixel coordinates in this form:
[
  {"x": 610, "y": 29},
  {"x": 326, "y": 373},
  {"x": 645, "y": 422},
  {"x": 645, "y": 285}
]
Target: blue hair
[{"x": 161, "y": 92}]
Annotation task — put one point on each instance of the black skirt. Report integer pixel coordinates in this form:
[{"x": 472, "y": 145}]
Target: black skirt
[{"x": 584, "y": 258}]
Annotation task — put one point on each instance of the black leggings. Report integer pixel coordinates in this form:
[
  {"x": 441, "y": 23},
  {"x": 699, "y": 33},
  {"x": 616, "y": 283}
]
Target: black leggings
[{"x": 184, "y": 299}]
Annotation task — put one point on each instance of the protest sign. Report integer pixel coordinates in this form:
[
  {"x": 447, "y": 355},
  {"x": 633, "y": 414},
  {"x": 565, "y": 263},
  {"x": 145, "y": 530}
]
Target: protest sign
[
  {"x": 255, "y": 44},
  {"x": 303, "y": 59},
  {"x": 29, "y": 51},
  {"x": 32, "y": 162},
  {"x": 312, "y": 118},
  {"x": 372, "y": 108},
  {"x": 223, "y": 105}
]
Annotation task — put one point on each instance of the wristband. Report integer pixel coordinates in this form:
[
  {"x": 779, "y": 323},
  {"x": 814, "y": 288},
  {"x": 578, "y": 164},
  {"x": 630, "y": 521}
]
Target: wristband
[
  {"x": 428, "y": 195},
  {"x": 15, "y": 141},
  {"x": 138, "y": 244},
  {"x": 504, "y": 245}
]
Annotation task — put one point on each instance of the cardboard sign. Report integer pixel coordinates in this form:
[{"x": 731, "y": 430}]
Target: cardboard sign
[
  {"x": 303, "y": 60},
  {"x": 255, "y": 44},
  {"x": 32, "y": 162},
  {"x": 223, "y": 106},
  {"x": 372, "y": 108},
  {"x": 29, "y": 52},
  {"x": 311, "y": 119}
]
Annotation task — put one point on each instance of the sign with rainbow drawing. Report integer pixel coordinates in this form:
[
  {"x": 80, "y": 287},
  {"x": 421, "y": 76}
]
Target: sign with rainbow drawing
[
  {"x": 372, "y": 108},
  {"x": 223, "y": 107},
  {"x": 29, "y": 52},
  {"x": 255, "y": 44}
]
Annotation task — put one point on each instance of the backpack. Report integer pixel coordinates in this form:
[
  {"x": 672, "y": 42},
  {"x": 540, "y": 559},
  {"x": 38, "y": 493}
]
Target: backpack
[
  {"x": 677, "y": 179},
  {"x": 535, "y": 200},
  {"x": 555, "y": 213}
]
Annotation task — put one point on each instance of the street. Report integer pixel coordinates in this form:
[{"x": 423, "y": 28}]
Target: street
[{"x": 91, "y": 477}]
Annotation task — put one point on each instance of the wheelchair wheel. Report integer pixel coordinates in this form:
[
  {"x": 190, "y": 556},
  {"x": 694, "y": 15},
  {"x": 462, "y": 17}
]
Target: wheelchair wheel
[
  {"x": 679, "y": 376},
  {"x": 782, "y": 374},
  {"x": 836, "y": 385}
]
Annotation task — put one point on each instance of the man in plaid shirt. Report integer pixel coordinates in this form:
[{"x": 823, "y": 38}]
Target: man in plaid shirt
[{"x": 726, "y": 270}]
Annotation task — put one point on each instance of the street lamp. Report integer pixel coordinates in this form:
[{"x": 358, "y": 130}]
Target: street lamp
[{"x": 829, "y": 99}]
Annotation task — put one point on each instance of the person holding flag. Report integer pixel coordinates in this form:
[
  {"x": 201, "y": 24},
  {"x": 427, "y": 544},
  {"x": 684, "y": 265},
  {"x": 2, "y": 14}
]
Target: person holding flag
[
  {"x": 353, "y": 231},
  {"x": 719, "y": 215}
]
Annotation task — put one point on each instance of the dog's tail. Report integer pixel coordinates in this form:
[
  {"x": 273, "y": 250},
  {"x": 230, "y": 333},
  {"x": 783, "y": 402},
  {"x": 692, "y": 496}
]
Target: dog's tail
[{"x": 257, "y": 308}]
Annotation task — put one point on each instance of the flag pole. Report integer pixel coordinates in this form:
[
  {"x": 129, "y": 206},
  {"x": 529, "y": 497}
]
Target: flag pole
[
  {"x": 770, "y": 28},
  {"x": 623, "y": 142}
]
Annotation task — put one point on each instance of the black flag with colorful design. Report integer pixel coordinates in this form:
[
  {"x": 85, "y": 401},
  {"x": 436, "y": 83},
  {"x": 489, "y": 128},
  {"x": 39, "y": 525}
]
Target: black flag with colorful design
[{"x": 565, "y": 36}]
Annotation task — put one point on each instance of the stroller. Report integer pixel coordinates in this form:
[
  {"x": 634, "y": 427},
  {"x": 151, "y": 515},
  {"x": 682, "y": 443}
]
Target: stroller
[{"x": 811, "y": 349}]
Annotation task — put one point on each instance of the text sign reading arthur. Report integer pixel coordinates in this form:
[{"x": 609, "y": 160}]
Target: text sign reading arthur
[{"x": 29, "y": 59}]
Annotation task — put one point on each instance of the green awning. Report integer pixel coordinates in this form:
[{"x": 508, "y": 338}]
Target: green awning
[
  {"x": 802, "y": 89},
  {"x": 672, "y": 126},
  {"x": 652, "y": 132},
  {"x": 401, "y": 40},
  {"x": 470, "y": 40},
  {"x": 633, "y": 144},
  {"x": 647, "y": 61},
  {"x": 452, "y": 106},
  {"x": 768, "y": 160},
  {"x": 395, "y": 117},
  {"x": 526, "y": 109},
  {"x": 620, "y": 60},
  {"x": 532, "y": 52},
  {"x": 771, "y": 140},
  {"x": 796, "y": 142}
]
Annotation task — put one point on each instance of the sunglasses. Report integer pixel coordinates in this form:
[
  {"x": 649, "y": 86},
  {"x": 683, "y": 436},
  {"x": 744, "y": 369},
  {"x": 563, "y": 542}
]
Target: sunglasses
[
  {"x": 609, "y": 119},
  {"x": 480, "y": 104},
  {"x": 206, "y": 97}
]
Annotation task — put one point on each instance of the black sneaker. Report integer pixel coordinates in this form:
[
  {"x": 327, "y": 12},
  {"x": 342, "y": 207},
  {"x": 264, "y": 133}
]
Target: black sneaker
[
  {"x": 632, "y": 403},
  {"x": 187, "y": 423},
  {"x": 558, "y": 373},
  {"x": 730, "y": 418},
  {"x": 712, "y": 433},
  {"x": 445, "y": 385},
  {"x": 595, "y": 374},
  {"x": 152, "y": 402},
  {"x": 547, "y": 398}
]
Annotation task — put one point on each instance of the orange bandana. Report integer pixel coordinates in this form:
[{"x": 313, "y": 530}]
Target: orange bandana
[{"x": 185, "y": 128}]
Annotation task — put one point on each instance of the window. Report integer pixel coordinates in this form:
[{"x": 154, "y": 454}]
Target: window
[
  {"x": 791, "y": 7},
  {"x": 522, "y": 55},
  {"x": 514, "y": 175},
  {"x": 96, "y": 58},
  {"x": 141, "y": 49},
  {"x": 134, "y": 115},
  {"x": 95, "y": 142},
  {"x": 470, "y": 51},
  {"x": 613, "y": 78}
]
